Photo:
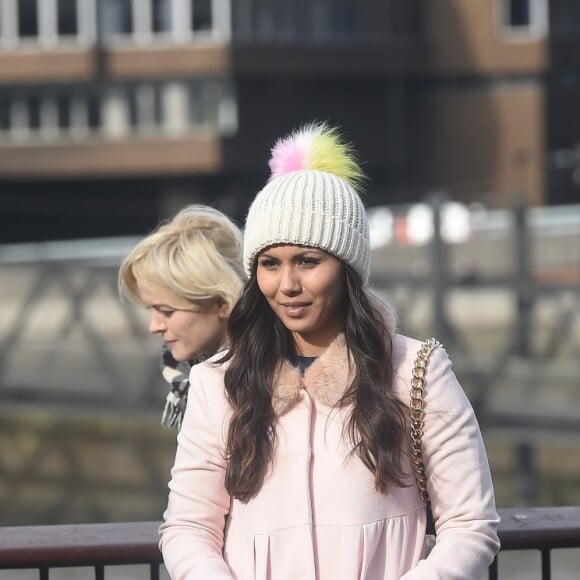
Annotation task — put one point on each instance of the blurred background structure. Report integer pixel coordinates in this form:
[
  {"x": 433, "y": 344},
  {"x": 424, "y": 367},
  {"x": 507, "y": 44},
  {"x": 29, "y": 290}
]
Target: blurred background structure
[
  {"x": 113, "y": 113},
  {"x": 116, "y": 113}
]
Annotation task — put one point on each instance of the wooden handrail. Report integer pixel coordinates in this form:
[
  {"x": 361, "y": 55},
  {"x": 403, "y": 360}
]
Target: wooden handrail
[
  {"x": 137, "y": 542},
  {"x": 540, "y": 528},
  {"x": 79, "y": 545}
]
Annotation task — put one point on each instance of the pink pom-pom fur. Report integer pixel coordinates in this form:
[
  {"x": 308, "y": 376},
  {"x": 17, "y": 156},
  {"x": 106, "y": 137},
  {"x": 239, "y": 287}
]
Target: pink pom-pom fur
[
  {"x": 290, "y": 154},
  {"x": 315, "y": 147}
]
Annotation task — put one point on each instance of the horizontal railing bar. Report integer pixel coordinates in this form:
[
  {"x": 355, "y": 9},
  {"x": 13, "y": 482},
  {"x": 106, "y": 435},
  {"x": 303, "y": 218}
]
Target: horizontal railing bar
[
  {"x": 79, "y": 545},
  {"x": 109, "y": 544},
  {"x": 540, "y": 528}
]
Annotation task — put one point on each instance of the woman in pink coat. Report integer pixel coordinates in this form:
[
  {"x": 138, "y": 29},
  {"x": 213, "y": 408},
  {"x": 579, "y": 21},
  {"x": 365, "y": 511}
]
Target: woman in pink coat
[{"x": 294, "y": 459}]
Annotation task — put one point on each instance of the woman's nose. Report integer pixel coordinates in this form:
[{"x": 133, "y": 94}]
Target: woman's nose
[
  {"x": 290, "y": 281},
  {"x": 156, "y": 323}
]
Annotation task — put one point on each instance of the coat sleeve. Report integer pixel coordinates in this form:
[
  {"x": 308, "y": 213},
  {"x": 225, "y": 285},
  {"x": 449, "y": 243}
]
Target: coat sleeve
[
  {"x": 458, "y": 481},
  {"x": 192, "y": 532}
]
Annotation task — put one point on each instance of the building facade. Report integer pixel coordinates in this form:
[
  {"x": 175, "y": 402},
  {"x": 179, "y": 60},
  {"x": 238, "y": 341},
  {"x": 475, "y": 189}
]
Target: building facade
[{"x": 113, "y": 113}]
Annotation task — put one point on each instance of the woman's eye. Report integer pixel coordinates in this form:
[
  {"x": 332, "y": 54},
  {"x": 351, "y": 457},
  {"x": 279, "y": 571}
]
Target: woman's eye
[
  {"x": 267, "y": 263},
  {"x": 167, "y": 312},
  {"x": 309, "y": 262}
]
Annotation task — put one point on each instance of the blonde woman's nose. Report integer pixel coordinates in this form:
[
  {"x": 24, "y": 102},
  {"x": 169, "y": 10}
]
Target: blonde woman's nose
[{"x": 157, "y": 322}]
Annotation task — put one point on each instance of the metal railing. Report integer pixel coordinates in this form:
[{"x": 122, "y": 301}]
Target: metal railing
[{"x": 100, "y": 545}]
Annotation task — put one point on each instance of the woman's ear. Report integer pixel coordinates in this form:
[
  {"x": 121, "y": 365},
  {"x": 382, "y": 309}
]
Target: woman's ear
[{"x": 223, "y": 310}]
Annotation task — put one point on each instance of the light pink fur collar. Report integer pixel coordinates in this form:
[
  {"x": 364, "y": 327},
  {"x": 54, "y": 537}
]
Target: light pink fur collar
[{"x": 329, "y": 376}]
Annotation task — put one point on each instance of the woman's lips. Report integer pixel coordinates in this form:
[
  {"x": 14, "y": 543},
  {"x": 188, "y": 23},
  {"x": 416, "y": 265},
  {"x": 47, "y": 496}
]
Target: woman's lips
[{"x": 295, "y": 310}]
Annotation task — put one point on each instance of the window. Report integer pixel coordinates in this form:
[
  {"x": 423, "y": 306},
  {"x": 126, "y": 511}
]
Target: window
[
  {"x": 333, "y": 18},
  {"x": 67, "y": 17},
  {"x": 51, "y": 22},
  {"x": 19, "y": 118},
  {"x": 523, "y": 19},
  {"x": 117, "y": 17},
  {"x": 146, "y": 21},
  {"x": 197, "y": 104},
  {"x": 94, "y": 117},
  {"x": 47, "y": 22},
  {"x": 144, "y": 108},
  {"x": 519, "y": 13},
  {"x": 62, "y": 113},
  {"x": 4, "y": 114},
  {"x": 33, "y": 103},
  {"x": 161, "y": 16},
  {"x": 48, "y": 118},
  {"x": 201, "y": 15},
  {"x": 282, "y": 21},
  {"x": 27, "y": 19},
  {"x": 564, "y": 19}
]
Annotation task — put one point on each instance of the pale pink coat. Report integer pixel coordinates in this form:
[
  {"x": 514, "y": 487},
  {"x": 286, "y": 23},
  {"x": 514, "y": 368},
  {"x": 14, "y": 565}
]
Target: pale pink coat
[{"x": 318, "y": 516}]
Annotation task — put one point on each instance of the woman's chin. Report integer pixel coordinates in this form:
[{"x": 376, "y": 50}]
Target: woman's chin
[{"x": 179, "y": 354}]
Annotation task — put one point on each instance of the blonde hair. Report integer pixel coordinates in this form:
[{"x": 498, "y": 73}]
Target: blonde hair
[{"x": 195, "y": 257}]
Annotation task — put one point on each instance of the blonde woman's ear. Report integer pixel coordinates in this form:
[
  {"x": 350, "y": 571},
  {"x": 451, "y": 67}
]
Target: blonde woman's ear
[{"x": 223, "y": 310}]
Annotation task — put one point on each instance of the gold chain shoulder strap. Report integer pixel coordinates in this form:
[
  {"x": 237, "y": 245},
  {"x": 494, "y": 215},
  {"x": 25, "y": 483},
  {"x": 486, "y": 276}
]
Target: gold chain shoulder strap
[{"x": 418, "y": 414}]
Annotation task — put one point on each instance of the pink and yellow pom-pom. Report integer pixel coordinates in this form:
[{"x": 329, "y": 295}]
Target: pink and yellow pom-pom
[{"x": 315, "y": 147}]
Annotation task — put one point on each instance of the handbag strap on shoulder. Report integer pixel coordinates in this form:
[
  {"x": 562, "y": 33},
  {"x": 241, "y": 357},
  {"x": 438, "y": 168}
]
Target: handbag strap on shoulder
[{"x": 418, "y": 414}]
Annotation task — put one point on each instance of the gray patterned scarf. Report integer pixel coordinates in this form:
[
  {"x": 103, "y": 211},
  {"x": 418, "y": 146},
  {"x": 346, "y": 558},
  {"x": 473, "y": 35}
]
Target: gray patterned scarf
[{"x": 177, "y": 375}]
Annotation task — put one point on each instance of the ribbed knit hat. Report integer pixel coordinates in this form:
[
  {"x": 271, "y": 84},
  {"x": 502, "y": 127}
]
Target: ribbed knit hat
[{"x": 311, "y": 200}]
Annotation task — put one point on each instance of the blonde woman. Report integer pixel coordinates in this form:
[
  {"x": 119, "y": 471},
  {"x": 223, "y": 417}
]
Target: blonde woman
[{"x": 188, "y": 273}]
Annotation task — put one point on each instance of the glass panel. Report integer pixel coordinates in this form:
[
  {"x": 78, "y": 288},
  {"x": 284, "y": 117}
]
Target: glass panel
[
  {"x": 201, "y": 15},
  {"x": 161, "y": 15},
  {"x": 212, "y": 97},
  {"x": 564, "y": 19},
  {"x": 63, "y": 106},
  {"x": 34, "y": 112},
  {"x": 519, "y": 13},
  {"x": 78, "y": 114},
  {"x": 67, "y": 17},
  {"x": 344, "y": 17},
  {"x": 117, "y": 17},
  {"x": 132, "y": 106},
  {"x": 263, "y": 23},
  {"x": 48, "y": 116},
  {"x": 19, "y": 116},
  {"x": 27, "y": 18},
  {"x": 227, "y": 111},
  {"x": 196, "y": 104},
  {"x": 4, "y": 113},
  {"x": 93, "y": 112},
  {"x": 144, "y": 107}
]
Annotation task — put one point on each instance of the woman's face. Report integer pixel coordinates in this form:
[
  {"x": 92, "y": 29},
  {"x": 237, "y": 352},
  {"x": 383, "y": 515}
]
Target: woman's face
[
  {"x": 305, "y": 287},
  {"x": 186, "y": 333}
]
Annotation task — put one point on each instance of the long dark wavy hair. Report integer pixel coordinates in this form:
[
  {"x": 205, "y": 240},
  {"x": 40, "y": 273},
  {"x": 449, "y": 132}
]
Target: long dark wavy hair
[{"x": 259, "y": 342}]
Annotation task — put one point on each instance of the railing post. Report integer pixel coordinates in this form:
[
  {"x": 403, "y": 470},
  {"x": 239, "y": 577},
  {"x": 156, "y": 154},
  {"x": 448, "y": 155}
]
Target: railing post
[
  {"x": 522, "y": 346},
  {"x": 546, "y": 565},
  {"x": 439, "y": 271}
]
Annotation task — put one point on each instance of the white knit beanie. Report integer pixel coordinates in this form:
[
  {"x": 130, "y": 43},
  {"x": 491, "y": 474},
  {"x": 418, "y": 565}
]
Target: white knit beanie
[{"x": 313, "y": 205}]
